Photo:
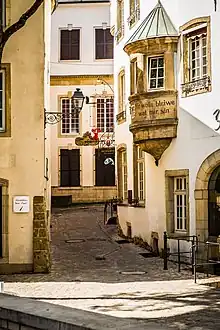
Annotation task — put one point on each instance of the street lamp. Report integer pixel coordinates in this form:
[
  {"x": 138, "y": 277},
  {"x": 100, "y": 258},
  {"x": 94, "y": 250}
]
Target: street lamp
[{"x": 77, "y": 101}]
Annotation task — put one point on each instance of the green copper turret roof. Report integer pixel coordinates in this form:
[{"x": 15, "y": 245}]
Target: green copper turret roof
[{"x": 156, "y": 24}]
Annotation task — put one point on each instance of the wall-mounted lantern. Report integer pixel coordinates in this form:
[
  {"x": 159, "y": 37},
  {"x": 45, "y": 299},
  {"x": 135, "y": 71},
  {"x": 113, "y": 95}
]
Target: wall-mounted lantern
[{"x": 77, "y": 101}]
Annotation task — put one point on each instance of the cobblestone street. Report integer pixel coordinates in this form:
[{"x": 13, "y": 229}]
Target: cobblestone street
[
  {"x": 89, "y": 239},
  {"x": 82, "y": 278}
]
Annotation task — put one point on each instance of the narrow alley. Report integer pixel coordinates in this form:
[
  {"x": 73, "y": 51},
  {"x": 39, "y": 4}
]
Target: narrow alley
[
  {"x": 92, "y": 272},
  {"x": 84, "y": 249}
]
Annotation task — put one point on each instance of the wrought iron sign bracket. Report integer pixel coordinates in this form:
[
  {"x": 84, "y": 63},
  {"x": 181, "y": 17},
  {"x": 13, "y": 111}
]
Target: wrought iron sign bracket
[{"x": 55, "y": 117}]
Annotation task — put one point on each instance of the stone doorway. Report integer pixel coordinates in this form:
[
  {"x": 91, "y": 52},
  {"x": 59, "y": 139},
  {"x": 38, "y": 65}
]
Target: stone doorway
[
  {"x": 214, "y": 205},
  {"x": 205, "y": 181}
]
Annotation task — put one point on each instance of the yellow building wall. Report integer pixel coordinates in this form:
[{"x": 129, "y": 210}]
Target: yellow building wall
[{"x": 22, "y": 154}]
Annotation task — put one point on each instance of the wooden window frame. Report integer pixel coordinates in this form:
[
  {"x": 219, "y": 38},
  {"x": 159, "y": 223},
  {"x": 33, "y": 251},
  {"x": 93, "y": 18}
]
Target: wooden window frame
[
  {"x": 107, "y": 119},
  {"x": 170, "y": 176},
  {"x": 121, "y": 91},
  {"x": 192, "y": 28},
  {"x": 124, "y": 174},
  {"x": 120, "y": 21},
  {"x": 70, "y": 118},
  {"x": 134, "y": 76},
  {"x": 79, "y": 44},
  {"x": 149, "y": 60},
  {"x": 3, "y": 10},
  {"x": 105, "y": 44},
  {"x": 122, "y": 185},
  {"x": 134, "y": 13},
  {"x": 140, "y": 161},
  {"x": 180, "y": 220},
  {"x": 5, "y": 131}
]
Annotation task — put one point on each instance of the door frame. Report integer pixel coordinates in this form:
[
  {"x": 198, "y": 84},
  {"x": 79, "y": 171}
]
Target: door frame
[{"x": 201, "y": 193}]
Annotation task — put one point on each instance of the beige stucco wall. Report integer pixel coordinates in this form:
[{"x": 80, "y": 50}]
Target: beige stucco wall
[
  {"x": 22, "y": 154},
  {"x": 87, "y": 192}
]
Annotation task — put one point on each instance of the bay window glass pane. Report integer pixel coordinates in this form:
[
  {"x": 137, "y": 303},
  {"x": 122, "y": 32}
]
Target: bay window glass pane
[{"x": 156, "y": 72}]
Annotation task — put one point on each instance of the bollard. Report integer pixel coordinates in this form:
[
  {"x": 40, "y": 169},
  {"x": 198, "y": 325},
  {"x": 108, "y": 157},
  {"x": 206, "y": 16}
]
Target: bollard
[{"x": 165, "y": 251}]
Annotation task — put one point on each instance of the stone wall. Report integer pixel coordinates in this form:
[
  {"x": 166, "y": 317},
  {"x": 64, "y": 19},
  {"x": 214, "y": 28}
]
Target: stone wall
[
  {"x": 26, "y": 314},
  {"x": 41, "y": 243},
  {"x": 86, "y": 194}
]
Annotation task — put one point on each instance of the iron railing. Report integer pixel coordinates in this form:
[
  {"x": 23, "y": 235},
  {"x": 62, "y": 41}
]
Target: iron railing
[
  {"x": 121, "y": 116},
  {"x": 119, "y": 33},
  {"x": 193, "y": 86},
  {"x": 110, "y": 209},
  {"x": 134, "y": 17},
  {"x": 197, "y": 257}
]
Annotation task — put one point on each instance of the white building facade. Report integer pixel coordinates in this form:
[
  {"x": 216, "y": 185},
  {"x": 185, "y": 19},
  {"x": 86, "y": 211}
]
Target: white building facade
[
  {"x": 166, "y": 72},
  {"x": 82, "y": 58}
]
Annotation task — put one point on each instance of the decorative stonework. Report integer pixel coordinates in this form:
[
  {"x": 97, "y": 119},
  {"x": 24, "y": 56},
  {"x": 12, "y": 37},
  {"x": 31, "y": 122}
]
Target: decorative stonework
[
  {"x": 153, "y": 111},
  {"x": 41, "y": 243},
  {"x": 79, "y": 80},
  {"x": 154, "y": 121},
  {"x": 203, "y": 85},
  {"x": 86, "y": 140}
]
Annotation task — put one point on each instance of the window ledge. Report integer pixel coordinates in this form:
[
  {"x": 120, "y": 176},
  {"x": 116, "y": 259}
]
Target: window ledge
[
  {"x": 199, "y": 86},
  {"x": 103, "y": 59},
  {"x": 121, "y": 117},
  {"x": 66, "y": 136},
  {"x": 124, "y": 204},
  {"x": 182, "y": 235},
  {"x": 63, "y": 61}
]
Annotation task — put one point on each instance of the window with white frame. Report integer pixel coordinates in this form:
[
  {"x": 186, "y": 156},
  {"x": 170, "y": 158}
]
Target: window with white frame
[
  {"x": 105, "y": 114},
  {"x": 70, "y": 118},
  {"x": 140, "y": 176},
  {"x": 124, "y": 175},
  {"x": 198, "y": 55},
  {"x": 2, "y": 101},
  {"x": 156, "y": 72},
  {"x": 180, "y": 206}
]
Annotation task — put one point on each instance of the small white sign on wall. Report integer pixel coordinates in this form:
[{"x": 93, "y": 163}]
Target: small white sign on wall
[{"x": 21, "y": 204}]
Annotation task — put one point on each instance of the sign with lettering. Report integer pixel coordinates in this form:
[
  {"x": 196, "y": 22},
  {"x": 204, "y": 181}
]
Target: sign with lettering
[
  {"x": 152, "y": 109},
  {"x": 21, "y": 204}
]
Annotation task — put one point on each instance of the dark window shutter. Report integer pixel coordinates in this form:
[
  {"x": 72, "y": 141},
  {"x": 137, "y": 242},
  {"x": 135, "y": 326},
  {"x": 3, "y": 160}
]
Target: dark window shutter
[
  {"x": 69, "y": 168},
  {"x": 70, "y": 45},
  {"x": 75, "y": 45},
  {"x": 104, "y": 173},
  {"x": 103, "y": 44},
  {"x": 74, "y": 156},
  {"x": 64, "y": 44}
]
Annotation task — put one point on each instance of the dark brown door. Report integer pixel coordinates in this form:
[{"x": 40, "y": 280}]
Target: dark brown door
[
  {"x": 69, "y": 168},
  {"x": 105, "y": 167}
]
